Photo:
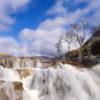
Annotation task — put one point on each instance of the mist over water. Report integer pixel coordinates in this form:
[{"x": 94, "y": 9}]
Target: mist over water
[{"x": 63, "y": 83}]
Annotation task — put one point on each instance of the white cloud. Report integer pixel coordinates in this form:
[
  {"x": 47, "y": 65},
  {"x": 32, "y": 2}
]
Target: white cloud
[
  {"x": 8, "y": 45},
  {"x": 62, "y": 10},
  {"x": 6, "y": 8},
  {"x": 41, "y": 40},
  {"x": 27, "y": 34},
  {"x": 58, "y": 8},
  {"x": 96, "y": 22},
  {"x": 16, "y": 4},
  {"x": 48, "y": 32},
  {"x": 94, "y": 19}
]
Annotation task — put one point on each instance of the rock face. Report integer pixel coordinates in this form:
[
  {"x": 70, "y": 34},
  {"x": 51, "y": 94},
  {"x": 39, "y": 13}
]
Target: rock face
[
  {"x": 25, "y": 72},
  {"x": 11, "y": 90},
  {"x": 12, "y": 83},
  {"x": 95, "y": 48},
  {"x": 20, "y": 62}
]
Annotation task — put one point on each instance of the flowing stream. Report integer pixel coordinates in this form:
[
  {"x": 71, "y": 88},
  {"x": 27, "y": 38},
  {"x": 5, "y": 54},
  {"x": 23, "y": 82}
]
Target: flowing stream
[{"x": 63, "y": 83}]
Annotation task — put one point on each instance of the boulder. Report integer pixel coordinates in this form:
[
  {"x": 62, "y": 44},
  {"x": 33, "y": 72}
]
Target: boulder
[
  {"x": 11, "y": 90},
  {"x": 25, "y": 72}
]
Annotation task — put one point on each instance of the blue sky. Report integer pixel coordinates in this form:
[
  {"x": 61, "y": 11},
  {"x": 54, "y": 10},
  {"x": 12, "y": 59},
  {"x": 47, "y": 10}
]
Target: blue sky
[
  {"x": 32, "y": 27},
  {"x": 31, "y": 17}
]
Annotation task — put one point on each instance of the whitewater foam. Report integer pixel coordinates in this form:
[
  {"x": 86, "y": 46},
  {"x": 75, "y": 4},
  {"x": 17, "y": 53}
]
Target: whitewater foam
[
  {"x": 63, "y": 83},
  {"x": 67, "y": 83}
]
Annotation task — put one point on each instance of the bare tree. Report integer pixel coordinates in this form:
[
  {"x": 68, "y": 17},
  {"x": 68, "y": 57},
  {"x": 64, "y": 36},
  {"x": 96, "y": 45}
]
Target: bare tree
[
  {"x": 80, "y": 31},
  {"x": 68, "y": 39},
  {"x": 59, "y": 46},
  {"x": 77, "y": 32}
]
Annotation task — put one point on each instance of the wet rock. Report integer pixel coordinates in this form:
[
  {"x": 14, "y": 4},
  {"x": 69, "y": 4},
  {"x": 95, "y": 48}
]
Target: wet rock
[
  {"x": 7, "y": 91},
  {"x": 11, "y": 90},
  {"x": 24, "y": 72},
  {"x": 18, "y": 86}
]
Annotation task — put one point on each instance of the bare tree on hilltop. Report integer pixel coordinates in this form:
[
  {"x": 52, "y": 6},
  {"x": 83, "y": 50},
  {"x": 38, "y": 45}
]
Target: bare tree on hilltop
[
  {"x": 78, "y": 33},
  {"x": 59, "y": 46}
]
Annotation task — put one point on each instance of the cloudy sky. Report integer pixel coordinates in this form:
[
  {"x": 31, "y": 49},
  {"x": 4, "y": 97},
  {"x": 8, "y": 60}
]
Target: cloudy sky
[{"x": 32, "y": 27}]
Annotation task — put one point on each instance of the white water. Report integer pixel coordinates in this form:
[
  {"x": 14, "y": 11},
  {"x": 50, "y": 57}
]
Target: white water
[
  {"x": 26, "y": 63},
  {"x": 65, "y": 83},
  {"x": 9, "y": 74},
  {"x": 18, "y": 63},
  {"x": 29, "y": 94}
]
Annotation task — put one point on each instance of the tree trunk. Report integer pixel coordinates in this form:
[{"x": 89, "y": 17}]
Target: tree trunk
[{"x": 80, "y": 56}]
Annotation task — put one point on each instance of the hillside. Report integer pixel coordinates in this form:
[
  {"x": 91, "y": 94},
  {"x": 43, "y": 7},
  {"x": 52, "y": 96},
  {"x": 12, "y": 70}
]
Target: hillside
[{"x": 90, "y": 52}]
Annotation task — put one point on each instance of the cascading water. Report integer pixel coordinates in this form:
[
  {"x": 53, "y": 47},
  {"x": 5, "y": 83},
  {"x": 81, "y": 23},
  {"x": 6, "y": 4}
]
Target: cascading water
[
  {"x": 25, "y": 63},
  {"x": 67, "y": 83},
  {"x": 63, "y": 83},
  {"x": 17, "y": 63},
  {"x": 9, "y": 74}
]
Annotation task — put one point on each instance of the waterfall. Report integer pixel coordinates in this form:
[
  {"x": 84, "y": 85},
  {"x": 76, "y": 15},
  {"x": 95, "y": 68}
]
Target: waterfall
[
  {"x": 26, "y": 63},
  {"x": 29, "y": 94},
  {"x": 66, "y": 82},
  {"x": 38, "y": 64},
  {"x": 17, "y": 63},
  {"x": 8, "y": 74}
]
